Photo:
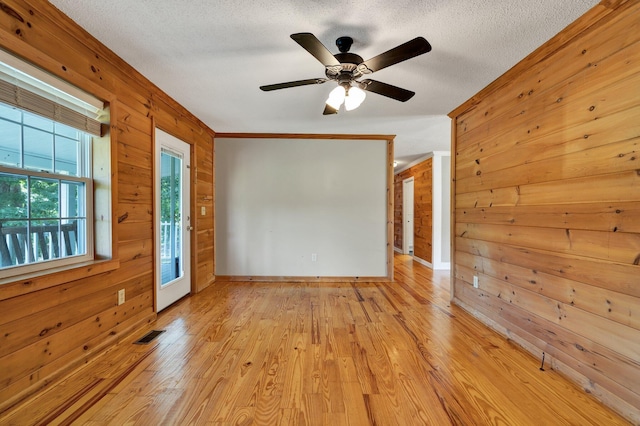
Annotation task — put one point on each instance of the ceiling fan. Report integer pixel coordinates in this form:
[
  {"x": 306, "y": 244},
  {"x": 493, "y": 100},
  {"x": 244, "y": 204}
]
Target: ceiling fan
[{"x": 346, "y": 68}]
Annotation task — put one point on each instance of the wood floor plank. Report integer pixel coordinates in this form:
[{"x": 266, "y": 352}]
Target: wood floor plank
[
  {"x": 242, "y": 353},
  {"x": 422, "y": 404}
]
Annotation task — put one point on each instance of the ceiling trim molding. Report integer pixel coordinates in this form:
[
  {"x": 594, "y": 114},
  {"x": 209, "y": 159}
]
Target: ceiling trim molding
[{"x": 303, "y": 136}]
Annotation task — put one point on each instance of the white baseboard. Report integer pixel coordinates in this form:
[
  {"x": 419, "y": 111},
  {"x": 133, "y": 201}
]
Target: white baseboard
[
  {"x": 446, "y": 266},
  {"x": 397, "y": 250},
  {"x": 423, "y": 262}
]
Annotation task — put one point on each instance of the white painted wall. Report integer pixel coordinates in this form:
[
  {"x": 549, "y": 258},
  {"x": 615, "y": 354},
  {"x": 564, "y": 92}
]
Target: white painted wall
[
  {"x": 441, "y": 242},
  {"x": 446, "y": 212},
  {"x": 278, "y": 201}
]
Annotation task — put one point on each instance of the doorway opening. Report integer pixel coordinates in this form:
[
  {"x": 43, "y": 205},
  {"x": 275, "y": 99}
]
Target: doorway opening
[{"x": 407, "y": 216}]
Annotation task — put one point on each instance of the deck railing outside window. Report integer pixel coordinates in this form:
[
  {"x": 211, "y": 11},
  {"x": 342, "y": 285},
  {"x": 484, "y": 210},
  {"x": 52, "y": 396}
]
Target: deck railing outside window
[{"x": 36, "y": 243}]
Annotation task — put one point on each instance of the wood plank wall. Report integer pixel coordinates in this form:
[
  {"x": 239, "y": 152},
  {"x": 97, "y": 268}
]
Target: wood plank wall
[
  {"x": 422, "y": 209},
  {"x": 547, "y": 203},
  {"x": 53, "y": 322}
]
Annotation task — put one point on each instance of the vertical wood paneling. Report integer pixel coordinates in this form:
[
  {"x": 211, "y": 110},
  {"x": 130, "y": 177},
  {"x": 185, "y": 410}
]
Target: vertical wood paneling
[
  {"x": 52, "y": 322},
  {"x": 422, "y": 209},
  {"x": 547, "y": 203}
]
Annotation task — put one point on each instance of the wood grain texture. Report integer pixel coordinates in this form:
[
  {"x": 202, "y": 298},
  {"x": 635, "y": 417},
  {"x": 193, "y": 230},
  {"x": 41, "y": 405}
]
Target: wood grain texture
[
  {"x": 546, "y": 202},
  {"x": 317, "y": 354},
  {"x": 597, "y": 14},
  {"x": 60, "y": 319}
]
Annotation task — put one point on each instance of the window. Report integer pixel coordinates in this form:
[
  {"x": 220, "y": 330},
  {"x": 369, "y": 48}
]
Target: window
[
  {"x": 46, "y": 185},
  {"x": 46, "y": 190}
]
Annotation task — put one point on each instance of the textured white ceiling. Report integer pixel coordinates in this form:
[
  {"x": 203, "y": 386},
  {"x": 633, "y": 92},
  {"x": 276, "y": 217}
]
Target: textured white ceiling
[{"x": 212, "y": 55}]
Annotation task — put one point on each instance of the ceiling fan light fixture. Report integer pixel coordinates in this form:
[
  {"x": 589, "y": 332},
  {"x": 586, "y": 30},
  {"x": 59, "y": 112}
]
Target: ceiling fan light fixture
[
  {"x": 345, "y": 68},
  {"x": 354, "y": 98},
  {"x": 336, "y": 97}
]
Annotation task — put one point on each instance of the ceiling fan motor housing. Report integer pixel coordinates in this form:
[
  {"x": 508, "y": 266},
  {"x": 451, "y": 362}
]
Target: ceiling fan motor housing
[{"x": 348, "y": 67}]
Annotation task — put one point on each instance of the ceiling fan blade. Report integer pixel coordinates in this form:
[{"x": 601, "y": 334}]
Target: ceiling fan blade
[
  {"x": 328, "y": 110},
  {"x": 405, "y": 51},
  {"x": 388, "y": 90},
  {"x": 312, "y": 45},
  {"x": 297, "y": 83}
]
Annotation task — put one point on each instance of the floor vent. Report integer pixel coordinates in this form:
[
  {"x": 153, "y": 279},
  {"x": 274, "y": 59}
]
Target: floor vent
[{"x": 148, "y": 337}]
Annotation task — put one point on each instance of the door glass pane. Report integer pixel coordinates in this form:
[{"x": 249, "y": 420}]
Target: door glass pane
[{"x": 171, "y": 216}]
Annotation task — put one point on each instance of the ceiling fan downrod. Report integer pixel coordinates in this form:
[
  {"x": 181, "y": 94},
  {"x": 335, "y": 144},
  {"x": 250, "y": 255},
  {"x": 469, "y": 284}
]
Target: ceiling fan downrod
[{"x": 344, "y": 43}]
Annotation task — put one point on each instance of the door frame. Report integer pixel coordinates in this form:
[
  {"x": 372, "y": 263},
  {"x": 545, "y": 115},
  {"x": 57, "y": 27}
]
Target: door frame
[
  {"x": 188, "y": 263},
  {"x": 408, "y": 201}
]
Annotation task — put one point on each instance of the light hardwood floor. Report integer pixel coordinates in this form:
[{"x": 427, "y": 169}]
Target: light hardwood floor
[{"x": 317, "y": 354}]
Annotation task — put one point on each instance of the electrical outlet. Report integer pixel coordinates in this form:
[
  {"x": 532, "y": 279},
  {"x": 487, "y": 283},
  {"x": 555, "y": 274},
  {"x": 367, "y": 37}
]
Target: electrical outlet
[
  {"x": 121, "y": 296},
  {"x": 203, "y": 211},
  {"x": 475, "y": 281},
  {"x": 314, "y": 257}
]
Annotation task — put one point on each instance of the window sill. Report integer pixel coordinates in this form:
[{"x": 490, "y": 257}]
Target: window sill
[{"x": 23, "y": 284}]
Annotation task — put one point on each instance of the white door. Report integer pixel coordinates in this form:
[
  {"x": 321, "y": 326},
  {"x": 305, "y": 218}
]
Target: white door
[
  {"x": 172, "y": 219},
  {"x": 407, "y": 216}
]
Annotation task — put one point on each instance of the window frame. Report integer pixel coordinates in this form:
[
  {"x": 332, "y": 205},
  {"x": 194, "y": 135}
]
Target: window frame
[
  {"x": 35, "y": 90},
  {"x": 29, "y": 267}
]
